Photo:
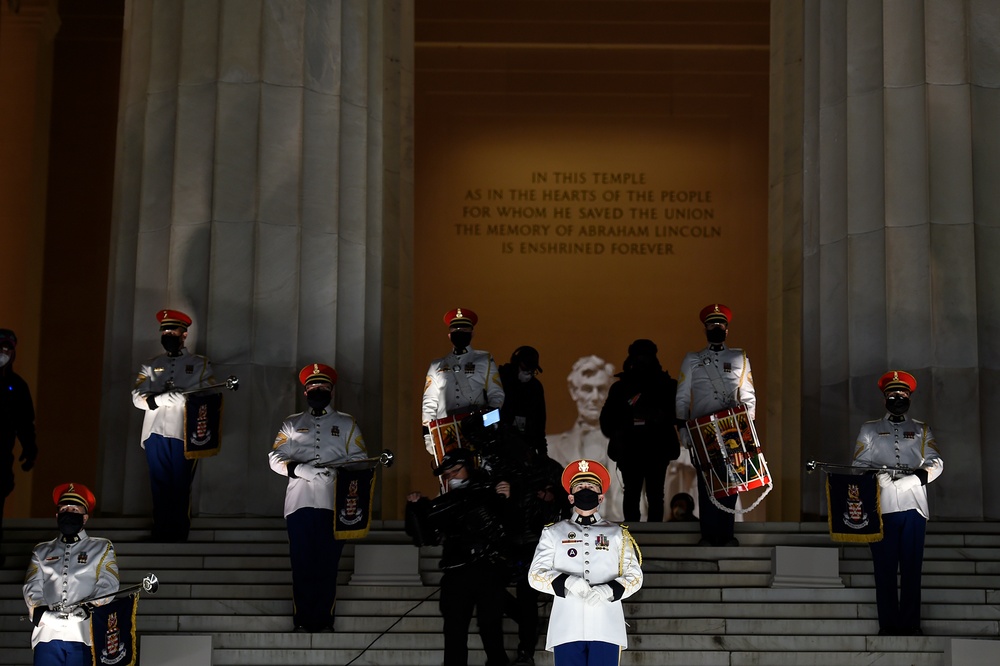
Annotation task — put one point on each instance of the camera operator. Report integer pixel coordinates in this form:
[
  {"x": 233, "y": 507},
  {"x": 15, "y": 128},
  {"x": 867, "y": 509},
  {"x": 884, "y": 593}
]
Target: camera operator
[{"x": 470, "y": 521}]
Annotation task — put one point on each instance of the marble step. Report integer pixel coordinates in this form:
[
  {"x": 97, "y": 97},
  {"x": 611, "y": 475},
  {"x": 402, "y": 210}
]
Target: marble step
[
  {"x": 365, "y": 615},
  {"x": 375, "y": 657}
]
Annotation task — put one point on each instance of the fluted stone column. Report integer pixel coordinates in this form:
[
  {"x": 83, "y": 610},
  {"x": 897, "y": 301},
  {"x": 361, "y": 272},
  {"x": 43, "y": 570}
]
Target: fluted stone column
[
  {"x": 897, "y": 155},
  {"x": 263, "y": 186},
  {"x": 27, "y": 31}
]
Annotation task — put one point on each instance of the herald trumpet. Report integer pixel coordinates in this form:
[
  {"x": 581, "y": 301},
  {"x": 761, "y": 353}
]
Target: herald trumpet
[
  {"x": 232, "y": 383},
  {"x": 812, "y": 465},
  {"x": 149, "y": 584},
  {"x": 385, "y": 459}
]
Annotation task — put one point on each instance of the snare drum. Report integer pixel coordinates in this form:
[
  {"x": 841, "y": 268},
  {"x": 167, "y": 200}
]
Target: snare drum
[
  {"x": 728, "y": 452},
  {"x": 446, "y": 434}
]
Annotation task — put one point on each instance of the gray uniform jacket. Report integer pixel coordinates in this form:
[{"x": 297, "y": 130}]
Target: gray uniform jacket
[
  {"x": 164, "y": 373},
  {"x": 64, "y": 573},
  {"x": 460, "y": 383},
  {"x": 306, "y": 439},
  {"x": 908, "y": 442}
]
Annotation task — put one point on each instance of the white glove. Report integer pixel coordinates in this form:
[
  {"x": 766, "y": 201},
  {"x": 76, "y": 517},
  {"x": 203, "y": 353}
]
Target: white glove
[
  {"x": 599, "y": 594},
  {"x": 429, "y": 443},
  {"x": 578, "y": 586},
  {"x": 169, "y": 399},
  {"x": 884, "y": 479},
  {"x": 310, "y": 473},
  {"x": 908, "y": 482}
]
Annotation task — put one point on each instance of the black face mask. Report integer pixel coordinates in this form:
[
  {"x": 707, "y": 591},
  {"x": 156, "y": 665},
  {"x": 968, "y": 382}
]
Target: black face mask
[
  {"x": 460, "y": 339},
  {"x": 318, "y": 399},
  {"x": 716, "y": 335},
  {"x": 897, "y": 405},
  {"x": 172, "y": 343},
  {"x": 586, "y": 499},
  {"x": 69, "y": 523}
]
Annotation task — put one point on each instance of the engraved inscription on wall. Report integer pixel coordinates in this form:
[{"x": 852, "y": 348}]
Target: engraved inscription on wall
[{"x": 588, "y": 213}]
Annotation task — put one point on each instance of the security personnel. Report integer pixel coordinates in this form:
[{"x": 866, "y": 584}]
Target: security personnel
[
  {"x": 62, "y": 574},
  {"x": 461, "y": 381},
  {"x": 589, "y": 565},
  {"x": 17, "y": 420},
  {"x": 716, "y": 378},
  {"x": 896, "y": 439},
  {"x": 157, "y": 391},
  {"x": 304, "y": 443}
]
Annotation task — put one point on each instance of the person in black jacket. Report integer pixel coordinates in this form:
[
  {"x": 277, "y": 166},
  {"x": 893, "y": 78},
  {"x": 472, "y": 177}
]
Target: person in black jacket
[
  {"x": 471, "y": 522},
  {"x": 638, "y": 419},
  {"x": 17, "y": 420},
  {"x": 523, "y": 409}
]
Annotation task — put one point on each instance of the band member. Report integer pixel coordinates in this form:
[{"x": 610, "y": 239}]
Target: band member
[
  {"x": 62, "y": 574},
  {"x": 589, "y": 565},
  {"x": 716, "y": 378},
  {"x": 898, "y": 440},
  {"x": 158, "y": 391},
  {"x": 463, "y": 380},
  {"x": 304, "y": 443}
]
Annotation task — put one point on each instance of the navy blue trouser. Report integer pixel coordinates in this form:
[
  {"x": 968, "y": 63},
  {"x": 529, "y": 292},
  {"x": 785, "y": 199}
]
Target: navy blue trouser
[
  {"x": 315, "y": 557},
  {"x": 716, "y": 525},
  {"x": 587, "y": 653},
  {"x": 63, "y": 653},
  {"x": 901, "y": 549},
  {"x": 170, "y": 477}
]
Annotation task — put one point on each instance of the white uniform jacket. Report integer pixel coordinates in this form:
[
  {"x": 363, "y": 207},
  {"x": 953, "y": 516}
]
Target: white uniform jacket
[
  {"x": 461, "y": 382},
  {"x": 66, "y": 573},
  {"x": 908, "y": 442},
  {"x": 711, "y": 381},
  {"x": 307, "y": 439},
  {"x": 600, "y": 553},
  {"x": 163, "y": 373}
]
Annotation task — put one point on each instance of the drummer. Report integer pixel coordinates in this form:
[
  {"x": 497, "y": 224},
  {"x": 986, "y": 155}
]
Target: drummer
[
  {"x": 713, "y": 379},
  {"x": 463, "y": 380}
]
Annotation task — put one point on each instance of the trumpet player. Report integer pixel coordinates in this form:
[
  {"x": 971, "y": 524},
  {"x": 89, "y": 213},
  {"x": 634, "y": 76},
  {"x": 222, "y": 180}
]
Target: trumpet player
[
  {"x": 896, "y": 439},
  {"x": 319, "y": 435},
  {"x": 72, "y": 567},
  {"x": 158, "y": 392}
]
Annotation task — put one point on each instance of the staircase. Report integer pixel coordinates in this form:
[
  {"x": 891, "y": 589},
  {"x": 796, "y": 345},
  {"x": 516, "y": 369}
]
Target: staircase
[{"x": 698, "y": 606}]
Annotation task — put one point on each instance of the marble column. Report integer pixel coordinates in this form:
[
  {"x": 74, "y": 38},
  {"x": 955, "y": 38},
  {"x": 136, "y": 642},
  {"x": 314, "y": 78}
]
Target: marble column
[
  {"x": 895, "y": 154},
  {"x": 264, "y": 175},
  {"x": 27, "y": 31}
]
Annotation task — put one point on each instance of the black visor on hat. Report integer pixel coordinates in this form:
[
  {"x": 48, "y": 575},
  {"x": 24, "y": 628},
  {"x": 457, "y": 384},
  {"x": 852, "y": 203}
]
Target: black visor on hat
[{"x": 451, "y": 459}]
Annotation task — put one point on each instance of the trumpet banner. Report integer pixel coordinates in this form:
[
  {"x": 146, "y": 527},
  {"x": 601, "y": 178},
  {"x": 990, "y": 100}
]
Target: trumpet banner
[
  {"x": 854, "y": 512},
  {"x": 352, "y": 503},
  {"x": 112, "y": 632},
  {"x": 202, "y": 425}
]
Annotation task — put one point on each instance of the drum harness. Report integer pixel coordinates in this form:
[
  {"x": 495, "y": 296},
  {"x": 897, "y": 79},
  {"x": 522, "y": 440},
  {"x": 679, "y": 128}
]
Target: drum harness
[
  {"x": 464, "y": 388},
  {"x": 729, "y": 397}
]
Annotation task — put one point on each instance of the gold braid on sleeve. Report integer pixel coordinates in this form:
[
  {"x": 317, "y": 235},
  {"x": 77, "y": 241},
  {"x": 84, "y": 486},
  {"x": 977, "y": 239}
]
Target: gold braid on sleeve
[{"x": 627, "y": 540}]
